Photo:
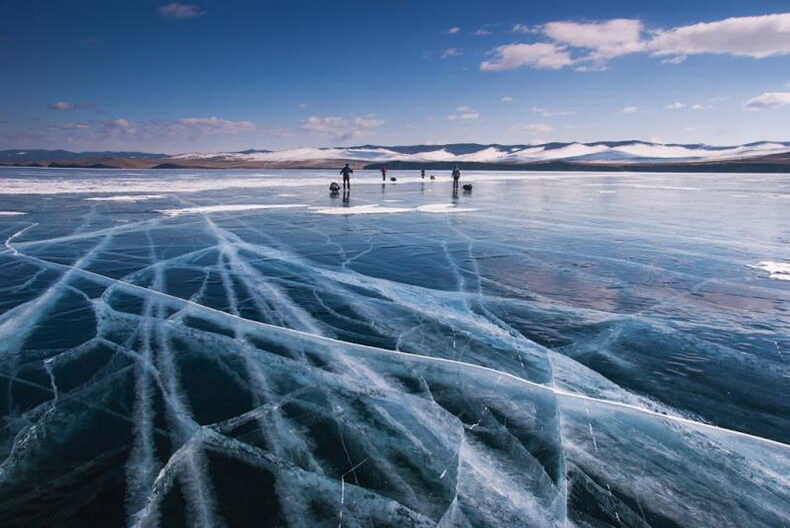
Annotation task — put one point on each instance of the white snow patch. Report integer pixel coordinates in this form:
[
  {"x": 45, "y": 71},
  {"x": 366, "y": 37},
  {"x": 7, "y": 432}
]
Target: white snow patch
[
  {"x": 378, "y": 209},
  {"x": 444, "y": 208},
  {"x": 360, "y": 209},
  {"x": 11, "y": 213},
  {"x": 208, "y": 209},
  {"x": 776, "y": 270}
]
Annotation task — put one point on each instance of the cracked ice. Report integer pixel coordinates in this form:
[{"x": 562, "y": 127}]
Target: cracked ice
[{"x": 217, "y": 354}]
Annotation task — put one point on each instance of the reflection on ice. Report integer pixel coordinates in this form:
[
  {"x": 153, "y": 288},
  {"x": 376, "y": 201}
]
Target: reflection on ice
[{"x": 554, "y": 359}]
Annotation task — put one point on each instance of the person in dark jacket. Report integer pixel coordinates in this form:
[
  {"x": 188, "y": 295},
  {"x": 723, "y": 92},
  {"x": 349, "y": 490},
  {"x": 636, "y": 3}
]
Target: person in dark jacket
[
  {"x": 384, "y": 174},
  {"x": 346, "y": 172},
  {"x": 422, "y": 174},
  {"x": 456, "y": 177}
]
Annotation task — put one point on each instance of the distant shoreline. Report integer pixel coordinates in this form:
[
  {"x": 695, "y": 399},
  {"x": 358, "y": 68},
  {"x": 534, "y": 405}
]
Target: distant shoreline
[{"x": 766, "y": 164}]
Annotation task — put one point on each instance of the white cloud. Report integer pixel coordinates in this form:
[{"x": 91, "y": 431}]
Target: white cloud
[
  {"x": 181, "y": 11},
  {"x": 450, "y": 52},
  {"x": 119, "y": 123},
  {"x": 464, "y": 113},
  {"x": 481, "y": 32},
  {"x": 540, "y": 56},
  {"x": 545, "y": 112},
  {"x": 605, "y": 40},
  {"x": 214, "y": 125},
  {"x": 537, "y": 128},
  {"x": 757, "y": 37},
  {"x": 701, "y": 107},
  {"x": 523, "y": 28},
  {"x": 768, "y": 100},
  {"x": 630, "y": 110},
  {"x": 588, "y": 46},
  {"x": 453, "y": 30},
  {"x": 341, "y": 128},
  {"x": 188, "y": 128},
  {"x": 675, "y": 106},
  {"x": 506, "y": 99},
  {"x": 61, "y": 105}
]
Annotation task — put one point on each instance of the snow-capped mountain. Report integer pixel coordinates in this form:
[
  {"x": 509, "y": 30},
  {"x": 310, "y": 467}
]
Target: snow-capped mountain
[{"x": 609, "y": 151}]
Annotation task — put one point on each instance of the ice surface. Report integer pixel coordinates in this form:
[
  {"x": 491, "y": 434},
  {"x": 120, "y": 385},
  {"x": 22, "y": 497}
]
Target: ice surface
[
  {"x": 778, "y": 270},
  {"x": 552, "y": 357}
]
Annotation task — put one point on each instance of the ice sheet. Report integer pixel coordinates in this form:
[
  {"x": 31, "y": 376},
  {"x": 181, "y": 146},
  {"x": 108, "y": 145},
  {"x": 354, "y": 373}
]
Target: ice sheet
[{"x": 555, "y": 358}]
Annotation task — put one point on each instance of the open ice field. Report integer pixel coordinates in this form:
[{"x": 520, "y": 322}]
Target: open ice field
[{"x": 198, "y": 348}]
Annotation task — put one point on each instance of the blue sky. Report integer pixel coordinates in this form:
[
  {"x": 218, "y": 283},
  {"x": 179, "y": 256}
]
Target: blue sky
[{"x": 206, "y": 76}]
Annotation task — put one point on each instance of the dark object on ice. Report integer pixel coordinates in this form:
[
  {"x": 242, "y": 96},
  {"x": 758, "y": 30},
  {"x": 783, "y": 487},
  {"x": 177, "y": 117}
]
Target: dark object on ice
[
  {"x": 456, "y": 177},
  {"x": 384, "y": 174},
  {"x": 334, "y": 188},
  {"x": 433, "y": 177},
  {"x": 393, "y": 178},
  {"x": 467, "y": 187},
  {"x": 346, "y": 172}
]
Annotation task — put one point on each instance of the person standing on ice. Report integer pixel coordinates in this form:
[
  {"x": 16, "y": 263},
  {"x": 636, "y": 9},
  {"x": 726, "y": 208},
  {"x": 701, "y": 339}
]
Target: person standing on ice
[
  {"x": 384, "y": 174},
  {"x": 422, "y": 174},
  {"x": 456, "y": 177},
  {"x": 346, "y": 172}
]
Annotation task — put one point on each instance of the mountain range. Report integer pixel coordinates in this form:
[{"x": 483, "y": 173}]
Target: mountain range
[{"x": 601, "y": 155}]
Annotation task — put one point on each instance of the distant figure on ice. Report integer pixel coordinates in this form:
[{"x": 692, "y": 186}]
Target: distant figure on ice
[
  {"x": 346, "y": 172},
  {"x": 456, "y": 177},
  {"x": 384, "y": 174},
  {"x": 422, "y": 174}
]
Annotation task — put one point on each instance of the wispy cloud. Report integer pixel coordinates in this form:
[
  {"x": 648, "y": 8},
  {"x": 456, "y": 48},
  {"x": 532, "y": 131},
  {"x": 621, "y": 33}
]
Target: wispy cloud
[
  {"x": 506, "y": 99},
  {"x": 341, "y": 128},
  {"x": 453, "y": 30},
  {"x": 768, "y": 100},
  {"x": 61, "y": 105},
  {"x": 189, "y": 128},
  {"x": 591, "y": 45},
  {"x": 675, "y": 106},
  {"x": 539, "y": 56},
  {"x": 523, "y": 28},
  {"x": 464, "y": 113},
  {"x": 537, "y": 128},
  {"x": 545, "y": 112},
  {"x": 180, "y": 11},
  {"x": 630, "y": 110},
  {"x": 65, "y": 105},
  {"x": 301, "y": 106},
  {"x": 451, "y": 52},
  {"x": 481, "y": 32}
]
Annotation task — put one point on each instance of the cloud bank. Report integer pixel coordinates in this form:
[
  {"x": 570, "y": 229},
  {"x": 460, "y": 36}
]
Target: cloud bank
[{"x": 591, "y": 45}]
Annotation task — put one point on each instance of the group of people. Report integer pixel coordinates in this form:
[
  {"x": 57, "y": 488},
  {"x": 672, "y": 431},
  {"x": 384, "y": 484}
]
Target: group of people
[{"x": 347, "y": 171}]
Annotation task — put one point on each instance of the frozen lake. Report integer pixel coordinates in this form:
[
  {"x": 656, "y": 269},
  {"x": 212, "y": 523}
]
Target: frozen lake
[{"x": 209, "y": 348}]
